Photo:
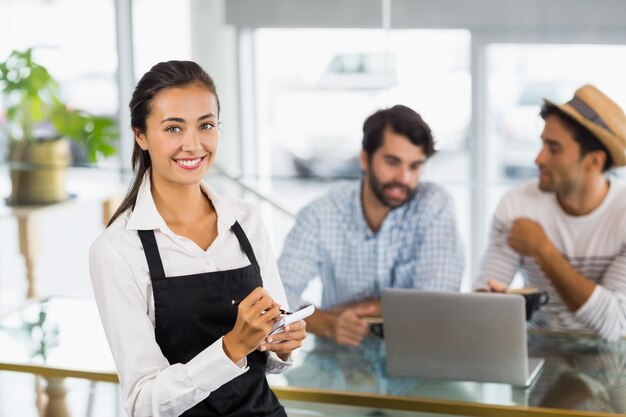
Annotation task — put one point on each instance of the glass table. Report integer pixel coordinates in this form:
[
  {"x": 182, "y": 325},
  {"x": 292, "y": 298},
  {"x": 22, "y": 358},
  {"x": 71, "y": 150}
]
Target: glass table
[
  {"x": 56, "y": 338},
  {"x": 582, "y": 376},
  {"x": 62, "y": 337}
]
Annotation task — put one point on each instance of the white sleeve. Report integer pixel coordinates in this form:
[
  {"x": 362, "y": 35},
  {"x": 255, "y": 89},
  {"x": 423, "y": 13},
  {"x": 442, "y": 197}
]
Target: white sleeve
[
  {"x": 150, "y": 385},
  {"x": 605, "y": 310},
  {"x": 276, "y": 365}
]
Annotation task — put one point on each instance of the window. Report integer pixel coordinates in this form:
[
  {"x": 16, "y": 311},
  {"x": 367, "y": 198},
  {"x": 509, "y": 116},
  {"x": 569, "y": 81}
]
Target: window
[
  {"x": 78, "y": 49},
  {"x": 316, "y": 87},
  {"x": 520, "y": 76}
]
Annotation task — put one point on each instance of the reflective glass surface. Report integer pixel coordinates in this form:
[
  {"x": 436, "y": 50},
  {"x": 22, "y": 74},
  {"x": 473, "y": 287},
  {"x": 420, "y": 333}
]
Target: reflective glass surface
[
  {"x": 59, "y": 332},
  {"x": 581, "y": 373}
]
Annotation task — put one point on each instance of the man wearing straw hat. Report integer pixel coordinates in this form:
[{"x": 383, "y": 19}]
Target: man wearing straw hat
[{"x": 566, "y": 232}]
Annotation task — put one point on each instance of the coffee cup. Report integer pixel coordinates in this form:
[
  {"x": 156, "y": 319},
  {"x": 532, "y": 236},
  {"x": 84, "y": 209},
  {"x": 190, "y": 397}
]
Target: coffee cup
[
  {"x": 535, "y": 299},
  {"x": 375, "y": 325}
]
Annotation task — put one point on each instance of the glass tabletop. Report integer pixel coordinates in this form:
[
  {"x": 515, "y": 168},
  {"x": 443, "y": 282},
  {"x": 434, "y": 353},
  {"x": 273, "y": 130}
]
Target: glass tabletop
[
  {"x": 58, "y": 336},
  {"x": 583, "y": 375}
]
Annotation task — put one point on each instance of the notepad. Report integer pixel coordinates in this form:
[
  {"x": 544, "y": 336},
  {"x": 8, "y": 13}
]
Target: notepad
[{"x": 290, "y": 318}]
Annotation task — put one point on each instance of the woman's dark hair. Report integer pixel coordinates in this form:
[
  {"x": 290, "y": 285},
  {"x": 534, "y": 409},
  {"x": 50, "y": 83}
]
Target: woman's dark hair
[
  {"x": 403, "y": 121},
  {"x": 587, "y": 140},
  {"x": 164, "y": 75}
]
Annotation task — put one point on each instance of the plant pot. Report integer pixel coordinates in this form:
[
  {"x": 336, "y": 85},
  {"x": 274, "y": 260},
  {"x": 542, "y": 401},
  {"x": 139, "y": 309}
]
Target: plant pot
[{"x": 38, "y": 171}]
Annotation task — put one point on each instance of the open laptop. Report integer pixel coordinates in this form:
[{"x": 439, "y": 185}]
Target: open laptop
[{"x": 456, "y": 336}]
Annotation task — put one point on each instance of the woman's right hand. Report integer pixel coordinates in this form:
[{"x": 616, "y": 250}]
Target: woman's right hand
[{"x": 256, "y": 314}]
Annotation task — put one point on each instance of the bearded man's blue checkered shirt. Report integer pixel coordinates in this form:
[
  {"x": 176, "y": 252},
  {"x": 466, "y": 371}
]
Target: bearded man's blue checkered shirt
[{"x": 417, "y": 246}]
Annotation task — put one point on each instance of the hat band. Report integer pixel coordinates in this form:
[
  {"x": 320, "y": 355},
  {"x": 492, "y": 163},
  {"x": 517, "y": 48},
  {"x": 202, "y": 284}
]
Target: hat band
[{"x": 587, "y": 112}]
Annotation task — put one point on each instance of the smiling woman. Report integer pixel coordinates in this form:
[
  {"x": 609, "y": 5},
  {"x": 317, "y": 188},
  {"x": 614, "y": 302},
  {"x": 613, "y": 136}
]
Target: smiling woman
[
  {"x": 173, "y": 258},
  {"x": 183, "y": 140}
]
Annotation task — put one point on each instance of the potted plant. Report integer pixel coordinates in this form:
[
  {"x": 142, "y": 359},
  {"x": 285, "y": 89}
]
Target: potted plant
[{"x": 38, "y": 126}]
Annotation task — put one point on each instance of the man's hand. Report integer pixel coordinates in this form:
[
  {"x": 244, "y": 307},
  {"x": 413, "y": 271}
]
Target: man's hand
[
  {"x": 344, "y": 324},
  {"x": 369, "y": 308},
  {"x": 496, "y": 286},
  {"x": 527, "y": 237},
  {"x": 351, "y": 328}
]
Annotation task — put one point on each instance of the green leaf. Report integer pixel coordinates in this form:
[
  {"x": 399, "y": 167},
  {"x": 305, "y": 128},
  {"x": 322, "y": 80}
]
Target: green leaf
[{"x": 31, "y": 95}]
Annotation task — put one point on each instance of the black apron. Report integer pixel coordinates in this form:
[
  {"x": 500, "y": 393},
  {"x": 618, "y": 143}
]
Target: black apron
[{"x": 193, "y": 311}]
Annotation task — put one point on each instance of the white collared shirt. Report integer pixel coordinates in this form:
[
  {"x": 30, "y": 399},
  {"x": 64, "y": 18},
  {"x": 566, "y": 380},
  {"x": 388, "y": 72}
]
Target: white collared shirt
[{"x": 123, "y": 292}]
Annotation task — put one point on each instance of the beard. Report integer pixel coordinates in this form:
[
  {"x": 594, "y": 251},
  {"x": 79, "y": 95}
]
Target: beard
[
  {"x": 546, "y": 186},
  {"x": 558, "y": 182},
  {"x": 379, "y": 188}
]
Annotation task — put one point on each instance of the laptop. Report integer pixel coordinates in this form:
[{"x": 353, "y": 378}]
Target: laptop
[{"x": 457, "y": 336}]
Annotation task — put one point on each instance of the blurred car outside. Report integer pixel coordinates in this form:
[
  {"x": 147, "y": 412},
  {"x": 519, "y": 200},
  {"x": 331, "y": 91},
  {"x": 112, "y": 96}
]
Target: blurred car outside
[
  {"x": 325, "y": 133},
  {"x": 360, "y": 71}
]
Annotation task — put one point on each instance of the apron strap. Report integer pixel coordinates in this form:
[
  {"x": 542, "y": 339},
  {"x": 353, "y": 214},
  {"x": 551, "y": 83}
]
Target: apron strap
[
  {"x": 151, "y": 250},
  {"x": 244, "y": 242}
]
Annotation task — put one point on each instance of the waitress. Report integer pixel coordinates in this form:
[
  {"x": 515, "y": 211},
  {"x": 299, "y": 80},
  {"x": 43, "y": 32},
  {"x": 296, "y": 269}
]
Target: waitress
[{"x": 173, "y": 258}]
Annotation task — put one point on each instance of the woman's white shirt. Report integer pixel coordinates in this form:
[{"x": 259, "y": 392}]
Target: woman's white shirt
[{"x": 123, "y": 292}]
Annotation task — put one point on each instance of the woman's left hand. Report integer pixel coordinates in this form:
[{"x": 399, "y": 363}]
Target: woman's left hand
[{"x": 285, "y": 342}]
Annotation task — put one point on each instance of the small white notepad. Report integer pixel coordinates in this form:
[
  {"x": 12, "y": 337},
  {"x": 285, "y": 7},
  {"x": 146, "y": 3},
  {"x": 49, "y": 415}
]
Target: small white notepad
[{"x": 290, "y": 318}]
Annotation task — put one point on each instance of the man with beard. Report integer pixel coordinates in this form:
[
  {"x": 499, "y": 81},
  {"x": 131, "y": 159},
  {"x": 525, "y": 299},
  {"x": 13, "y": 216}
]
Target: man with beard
[
  {"x": 386, "y": 230},
  {"x": 566, "y": 233}
]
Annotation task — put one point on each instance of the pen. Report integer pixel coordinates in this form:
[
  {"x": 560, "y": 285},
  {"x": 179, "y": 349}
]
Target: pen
[{"x": 284, "y": 312}]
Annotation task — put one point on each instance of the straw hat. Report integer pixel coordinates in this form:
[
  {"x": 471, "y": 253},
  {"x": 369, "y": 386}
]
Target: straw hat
[{"x": 601, "y": 116}]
